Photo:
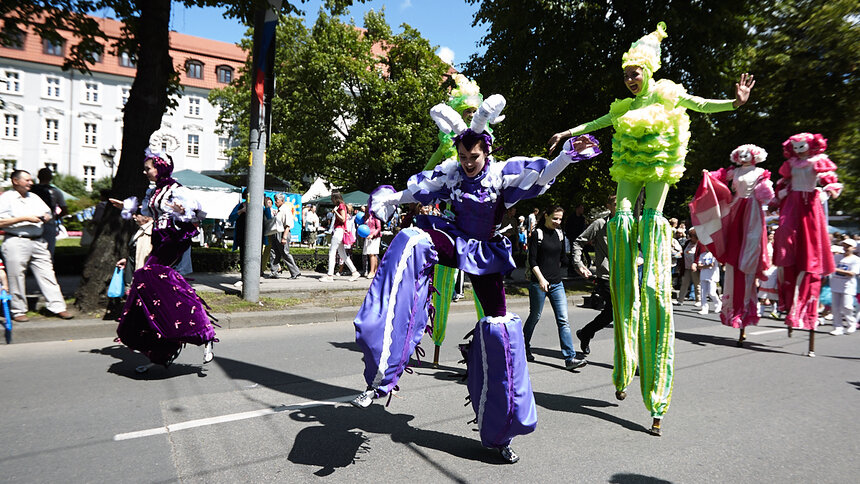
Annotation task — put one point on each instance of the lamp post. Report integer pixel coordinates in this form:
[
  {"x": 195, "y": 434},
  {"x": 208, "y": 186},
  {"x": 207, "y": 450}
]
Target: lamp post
[{"x": 108, "y": 159}]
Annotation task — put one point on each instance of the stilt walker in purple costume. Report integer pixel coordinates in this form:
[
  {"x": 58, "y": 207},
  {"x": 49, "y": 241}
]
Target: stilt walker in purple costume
[
  {"x": 163, "y": 312},
  {"x": 393, "y": 317}
]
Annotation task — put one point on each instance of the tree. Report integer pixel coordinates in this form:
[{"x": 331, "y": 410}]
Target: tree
[
  {"x": 559, "y": 65},
  {"x": 342, "y": 109},
  {"x": 146, "y": 36}
]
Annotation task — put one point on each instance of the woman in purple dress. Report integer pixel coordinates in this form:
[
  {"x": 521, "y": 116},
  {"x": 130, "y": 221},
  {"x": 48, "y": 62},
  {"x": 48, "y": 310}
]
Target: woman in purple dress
[
  {"x": 163, "y": 312},
  {"x": 394, "y": 315}
]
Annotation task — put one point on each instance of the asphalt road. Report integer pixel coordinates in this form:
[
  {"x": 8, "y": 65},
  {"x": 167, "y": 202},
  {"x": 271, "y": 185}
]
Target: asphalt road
[{"x": 269, "y": 409}]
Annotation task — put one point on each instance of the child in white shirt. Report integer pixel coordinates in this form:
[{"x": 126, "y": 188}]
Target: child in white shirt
[
  {"x": 843, "y": 287},
  {"x": 709, "y": 277}
]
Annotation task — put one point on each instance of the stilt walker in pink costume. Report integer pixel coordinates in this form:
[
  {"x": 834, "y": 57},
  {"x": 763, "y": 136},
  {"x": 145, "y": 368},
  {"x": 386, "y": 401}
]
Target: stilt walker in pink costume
[
  {"x": 743, "y": 242},
  {"x": 801, "y": 243}
]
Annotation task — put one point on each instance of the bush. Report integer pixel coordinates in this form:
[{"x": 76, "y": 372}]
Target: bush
[{"x": 214, "y": 259}]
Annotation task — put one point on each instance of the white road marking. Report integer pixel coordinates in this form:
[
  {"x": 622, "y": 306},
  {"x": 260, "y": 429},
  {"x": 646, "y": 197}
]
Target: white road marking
[
  {"x": 227, "y": 418},
  {"x": 768, "y": 331}
]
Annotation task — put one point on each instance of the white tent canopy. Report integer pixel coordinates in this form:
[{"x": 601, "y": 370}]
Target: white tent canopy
[{"x": 318, "y": 189}]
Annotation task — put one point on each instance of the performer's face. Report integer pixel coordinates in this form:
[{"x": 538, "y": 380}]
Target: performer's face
[
  {"x": 150, "y": 171},
  {"x": 472, "y": 160},
  {"x": 634, "y": 79},
  {"x": 468, "y": 113}
]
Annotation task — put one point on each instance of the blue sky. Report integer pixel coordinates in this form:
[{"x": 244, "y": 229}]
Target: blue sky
[{"x": 445, "y": 23}]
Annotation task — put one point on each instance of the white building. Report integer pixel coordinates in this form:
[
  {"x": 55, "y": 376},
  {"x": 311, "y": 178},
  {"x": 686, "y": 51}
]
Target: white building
[{"x": 66, "y": 120}]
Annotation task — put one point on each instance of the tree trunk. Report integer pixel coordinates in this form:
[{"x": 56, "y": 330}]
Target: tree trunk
[{"x": 146, "y": 105}]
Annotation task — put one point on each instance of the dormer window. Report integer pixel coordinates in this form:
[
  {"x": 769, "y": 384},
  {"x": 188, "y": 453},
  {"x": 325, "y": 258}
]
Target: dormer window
[
  {"x": 194, "y": 69},
  {"x": 224, "y": 74}
]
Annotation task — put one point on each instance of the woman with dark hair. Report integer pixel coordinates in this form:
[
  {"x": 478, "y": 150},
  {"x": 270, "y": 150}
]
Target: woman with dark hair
[
  {"x": 163, "y": 312},
  {"x": 337, "y": 246},
  {"x": 546, "y": 257}
]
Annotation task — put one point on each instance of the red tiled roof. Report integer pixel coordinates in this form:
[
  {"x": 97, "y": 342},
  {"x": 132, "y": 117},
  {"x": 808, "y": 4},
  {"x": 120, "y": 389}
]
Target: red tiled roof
[{"x": 211, "y": 53}]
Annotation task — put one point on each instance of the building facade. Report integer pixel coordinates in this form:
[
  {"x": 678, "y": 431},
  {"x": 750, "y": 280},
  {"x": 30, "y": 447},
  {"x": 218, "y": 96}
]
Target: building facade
[{"x": 68, "y": 121}]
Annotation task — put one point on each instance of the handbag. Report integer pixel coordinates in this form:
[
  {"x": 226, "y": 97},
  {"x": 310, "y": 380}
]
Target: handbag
[{"x": 117, "y": 285}]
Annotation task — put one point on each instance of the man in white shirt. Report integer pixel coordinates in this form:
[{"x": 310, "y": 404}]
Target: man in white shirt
[
  {"x": 280, "y": 241},
  {"x": 312, "y": 224},
  {"x": 843, "y": 288},
  {"x": 22, "y": 217}
]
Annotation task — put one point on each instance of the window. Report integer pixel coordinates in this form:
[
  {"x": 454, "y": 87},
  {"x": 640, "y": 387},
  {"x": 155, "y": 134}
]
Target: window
[
  {"x": 97, "y": 55},
  {"x": 89, "y": 177},
  {"x": 193, "y": 144},
  {"x": 90, "y": 134},
  {"x": 11, "y": 126},
  {"x": 194, "y": 106},
  {"x": 53, "y": 87},
  {"x": 8, "y": 168},
  {"x": 124, "y": 92},
  {"x": 91, "y": 92},
  {"x": 13, "y": 40},
  {"x": 127, "y": 60},
  {"x": 53, "y": 48},
  {"x": 225, "y": 74},
  {"x": 10, "y": 81},
  {"x": 51, "y": 166},
  {"x": 52, "y": 130},
  {"x": 223, "y": 146},
  {"x": 194, "y": 69}
]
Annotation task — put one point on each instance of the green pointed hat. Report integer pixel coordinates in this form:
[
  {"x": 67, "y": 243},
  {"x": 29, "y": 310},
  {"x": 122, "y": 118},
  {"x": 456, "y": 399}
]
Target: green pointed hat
[{"x": 645, "y": 52}]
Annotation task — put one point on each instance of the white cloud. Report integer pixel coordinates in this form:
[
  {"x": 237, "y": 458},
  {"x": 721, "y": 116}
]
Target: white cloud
[
  {"x": 406, "y": 4},
  {"x": 446, "y": 54}
]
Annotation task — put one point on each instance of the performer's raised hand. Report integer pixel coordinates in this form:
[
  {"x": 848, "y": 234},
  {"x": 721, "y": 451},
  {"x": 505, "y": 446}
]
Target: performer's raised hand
[
  {"x": 556, "y": 139},
  {"x": 742, "y": 89}
]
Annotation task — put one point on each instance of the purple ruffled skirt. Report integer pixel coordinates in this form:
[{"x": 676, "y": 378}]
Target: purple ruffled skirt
[
  {"x": 474, "y": 256},
  {"x": 162, "y": 313}
]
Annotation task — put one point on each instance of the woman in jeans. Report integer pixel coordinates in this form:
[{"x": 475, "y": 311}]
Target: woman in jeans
[
  {"x": 546, "y": 255},
  {"x": 337, "y": 247}
]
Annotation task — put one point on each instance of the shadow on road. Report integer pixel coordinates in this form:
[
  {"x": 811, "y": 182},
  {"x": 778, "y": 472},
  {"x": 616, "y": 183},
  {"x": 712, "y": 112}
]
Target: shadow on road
[
  {"x": 129, "y": 360},
  {"x": 708, "y": 339},
  {"x": 584, "y": 406},
  {"x": 636, "y": 479},
  {"x": 334, "y": 437}
]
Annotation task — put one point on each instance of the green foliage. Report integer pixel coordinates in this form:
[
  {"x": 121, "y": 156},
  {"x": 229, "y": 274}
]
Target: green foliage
[
  {"x": 104, "y": 183},
  {"x": 340, "y": 109},
  {"x": 70, "y": 184},
  {"x": 559, "y": 65}
]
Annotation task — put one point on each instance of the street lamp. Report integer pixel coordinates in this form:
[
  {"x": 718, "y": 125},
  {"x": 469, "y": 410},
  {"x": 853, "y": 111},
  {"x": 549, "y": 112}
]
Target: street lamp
[{"x": 107, "y": 158}]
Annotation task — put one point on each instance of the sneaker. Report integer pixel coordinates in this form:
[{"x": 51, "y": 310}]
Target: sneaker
[
  {"x": 838, "y": 331},
  {"x": 354, "y": 277},
  {"x": 774, "y": 315},
  {"x": 273, "y": 275},
  {"x": 326, "y": 279},
  {"x": 851, "y": 328},
  {"x": 575, "y": 363},
  {"x": 583, "y": 343},
  {"x": 457, "y": 297},
  {"x": 508, "y": 454},
  {"x": 829, "y": 317},
  {"x": 704, "y": 310},
  {"x": 718, "y": 308},
  {"x": 697, "y": 304},
  {"x": 364, "y": 400},
  {"x": 207, "y": 352}
]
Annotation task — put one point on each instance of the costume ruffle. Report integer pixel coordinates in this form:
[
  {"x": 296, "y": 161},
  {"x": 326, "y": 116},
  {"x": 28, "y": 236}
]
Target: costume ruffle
[
  {"x": 650, "y": 142},
  {"x": 474, "y": 256}
]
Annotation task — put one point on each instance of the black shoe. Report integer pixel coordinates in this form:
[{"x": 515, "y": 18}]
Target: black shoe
[
  {"x": 583, "y": 343},
  {"x": 575, "y": 363},
  {"x": 295, "y": 276},
  {"x": 529, "y": 356}
]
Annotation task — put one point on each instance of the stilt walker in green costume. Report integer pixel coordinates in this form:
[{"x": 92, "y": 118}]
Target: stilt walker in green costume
[
  {"x": 465, "y": 99},
  {"x": 649, "y": 146}
]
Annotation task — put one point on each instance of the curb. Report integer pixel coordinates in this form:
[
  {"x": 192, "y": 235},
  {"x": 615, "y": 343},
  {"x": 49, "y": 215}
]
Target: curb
[{"x": 76, "y": 329}]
